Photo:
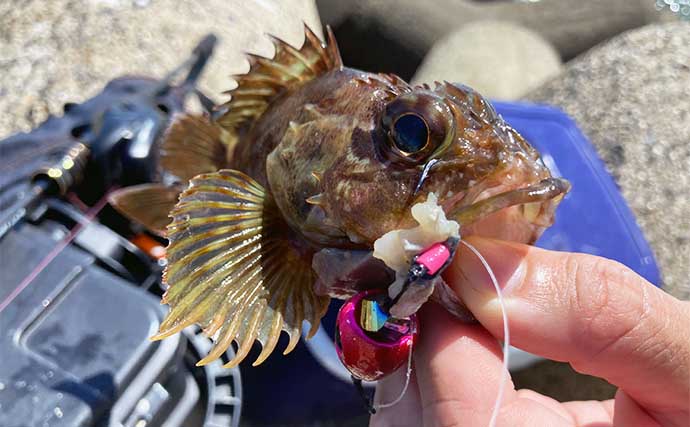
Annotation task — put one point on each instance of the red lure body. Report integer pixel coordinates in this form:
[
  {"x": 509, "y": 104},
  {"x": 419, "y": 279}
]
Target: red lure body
[{"x": 370, "y": 357}]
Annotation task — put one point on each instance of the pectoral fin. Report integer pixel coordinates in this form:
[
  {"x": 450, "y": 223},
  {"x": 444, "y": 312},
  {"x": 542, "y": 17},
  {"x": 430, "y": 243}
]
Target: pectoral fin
[
  {"x": 232, "y": 270},
  {"x": 193, "y": 145},
  {"x": 147, "y": 204}
]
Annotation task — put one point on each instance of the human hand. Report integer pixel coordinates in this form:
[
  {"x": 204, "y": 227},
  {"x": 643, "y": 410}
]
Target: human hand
[{"x": 594, "y": 313}]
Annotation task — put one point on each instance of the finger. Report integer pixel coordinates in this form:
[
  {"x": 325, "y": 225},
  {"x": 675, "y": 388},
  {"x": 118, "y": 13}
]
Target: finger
[
  {"x": 594, "y": 313},
  {"x": 407, "y": 412},
  {"x": 458, "y": 369},
  {"x": 609, "y": 406},
  {"x": 546, "y": 401},
  {"x": 530, "y": 413},
  {"x": 589, "y": 413},
  {"x": 628, "y": 413}
]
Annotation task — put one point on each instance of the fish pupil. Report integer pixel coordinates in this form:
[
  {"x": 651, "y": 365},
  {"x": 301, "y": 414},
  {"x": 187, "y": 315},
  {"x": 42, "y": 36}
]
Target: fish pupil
[{"x": 411, "y": 133}]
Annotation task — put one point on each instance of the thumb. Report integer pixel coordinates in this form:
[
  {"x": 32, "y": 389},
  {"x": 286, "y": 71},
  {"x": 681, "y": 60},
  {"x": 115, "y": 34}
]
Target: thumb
[{"x": 595, "y": 313}]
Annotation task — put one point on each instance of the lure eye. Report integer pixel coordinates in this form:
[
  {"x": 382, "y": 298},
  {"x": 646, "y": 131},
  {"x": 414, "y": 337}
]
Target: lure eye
[
  {"x": 417, "y": 126},
  {"x": 410, "y": 133}
]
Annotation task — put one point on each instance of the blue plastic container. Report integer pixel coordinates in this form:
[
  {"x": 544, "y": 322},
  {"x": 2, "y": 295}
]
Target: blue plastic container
[{"x": 593, "y": 218}]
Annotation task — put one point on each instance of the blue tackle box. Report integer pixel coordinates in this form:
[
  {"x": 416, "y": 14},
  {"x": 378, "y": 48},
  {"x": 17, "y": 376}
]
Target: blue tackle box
[{"x": 593, "y": 217}]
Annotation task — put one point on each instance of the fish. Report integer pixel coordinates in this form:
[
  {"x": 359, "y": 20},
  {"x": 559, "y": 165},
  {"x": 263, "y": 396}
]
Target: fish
[
  {"x": 191, "y": 145},
  {"x": 302, "y": 170}
]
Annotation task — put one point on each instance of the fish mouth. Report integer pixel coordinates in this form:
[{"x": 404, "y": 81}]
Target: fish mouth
[{"x": 547, "y": 190}]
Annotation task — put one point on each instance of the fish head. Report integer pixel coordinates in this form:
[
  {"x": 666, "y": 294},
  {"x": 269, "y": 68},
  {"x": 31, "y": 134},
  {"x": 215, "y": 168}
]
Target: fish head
[{"x": 449, "y": 141}]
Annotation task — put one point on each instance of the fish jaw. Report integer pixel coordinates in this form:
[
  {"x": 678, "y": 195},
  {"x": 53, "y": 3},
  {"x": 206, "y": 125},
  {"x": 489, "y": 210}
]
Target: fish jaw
[
  {"x": 518, "y": 214},
  {"x": 515, "y": 202}
]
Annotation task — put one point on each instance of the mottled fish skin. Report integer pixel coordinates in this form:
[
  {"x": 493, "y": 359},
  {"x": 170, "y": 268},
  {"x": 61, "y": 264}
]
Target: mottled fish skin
[
  {"x": 324, "y": 154},
  {"x": 311, "y": 156}
]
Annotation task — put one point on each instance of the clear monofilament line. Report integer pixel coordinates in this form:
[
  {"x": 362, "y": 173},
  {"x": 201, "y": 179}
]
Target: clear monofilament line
[
  {"x": 506, "y": 333},
  {"x": 378, "y": 406}
]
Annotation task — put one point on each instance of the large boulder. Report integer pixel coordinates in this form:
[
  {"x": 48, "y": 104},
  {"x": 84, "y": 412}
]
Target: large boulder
[
  {"x": 571, "y": 26},
  {"x": 631, "y": 97},
  {"x": 501, "y": 60}
]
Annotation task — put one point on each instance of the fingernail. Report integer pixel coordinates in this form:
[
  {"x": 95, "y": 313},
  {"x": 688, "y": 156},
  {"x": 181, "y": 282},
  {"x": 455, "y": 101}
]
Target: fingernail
[{"x": 503, "y": 258}]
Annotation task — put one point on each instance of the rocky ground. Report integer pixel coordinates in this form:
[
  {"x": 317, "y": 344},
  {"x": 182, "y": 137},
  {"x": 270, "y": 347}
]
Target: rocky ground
[
  {"x": 52, "y": 52},
  {"x": 630, "y": 95},
  {"x": 518, "y": 59}
]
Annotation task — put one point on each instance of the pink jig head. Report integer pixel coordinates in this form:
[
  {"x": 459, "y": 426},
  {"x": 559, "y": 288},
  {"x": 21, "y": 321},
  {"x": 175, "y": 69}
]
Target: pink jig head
[
  {"x": 368, "y": 355},
  {"x": 372, "y": 344}
]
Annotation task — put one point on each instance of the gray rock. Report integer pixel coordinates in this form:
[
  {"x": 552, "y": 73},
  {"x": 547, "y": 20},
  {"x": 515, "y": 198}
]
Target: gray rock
[
  {"x": 499, "y": 59},
  {"x": 571, "y": 26},
  {"x": 631, "y": 97},
  {"x": 52, "y": 52}
]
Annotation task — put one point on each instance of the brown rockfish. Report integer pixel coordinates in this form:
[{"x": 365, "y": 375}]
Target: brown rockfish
[{"x": 311, "y": 156}]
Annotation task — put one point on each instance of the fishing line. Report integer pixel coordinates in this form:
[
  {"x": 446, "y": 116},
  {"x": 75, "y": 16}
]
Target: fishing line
[
  {"x": 378, "y": 406},
  {"x": 89, "y": 216},
  {"x": 506, "y": 333}
]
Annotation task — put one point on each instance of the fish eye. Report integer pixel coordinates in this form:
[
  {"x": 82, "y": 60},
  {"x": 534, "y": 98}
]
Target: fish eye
[
  {"x": 417, "y": 126},
  {"x": 410, "y": 133}
]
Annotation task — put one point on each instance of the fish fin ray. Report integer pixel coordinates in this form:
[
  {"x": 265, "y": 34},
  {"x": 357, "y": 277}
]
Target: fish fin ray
[
  {"x": 146, "y": 204},
  {"x": 268, "y": 78},
  {"x": 193, "y": 144},
  {"x": 241, "y": 288}
]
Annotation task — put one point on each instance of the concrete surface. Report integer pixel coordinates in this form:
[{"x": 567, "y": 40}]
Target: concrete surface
[{"x": 501, "y": 60}]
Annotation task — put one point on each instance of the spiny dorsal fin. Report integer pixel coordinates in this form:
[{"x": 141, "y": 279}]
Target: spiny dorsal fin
[
  {"x": 193, "y": 145},
  {"x": 232, "y": 270},
  {"x": 268, "y": 78},
  {"x": 147, "y": 204}
]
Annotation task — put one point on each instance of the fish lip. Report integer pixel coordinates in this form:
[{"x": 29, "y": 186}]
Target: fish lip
[{"x": 556, "y": 187}]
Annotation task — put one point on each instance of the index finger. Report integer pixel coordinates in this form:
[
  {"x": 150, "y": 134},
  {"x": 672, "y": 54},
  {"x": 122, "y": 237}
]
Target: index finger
[
  {"x": 592, "y": 312},
  {"x": 459, "y": 371}
]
